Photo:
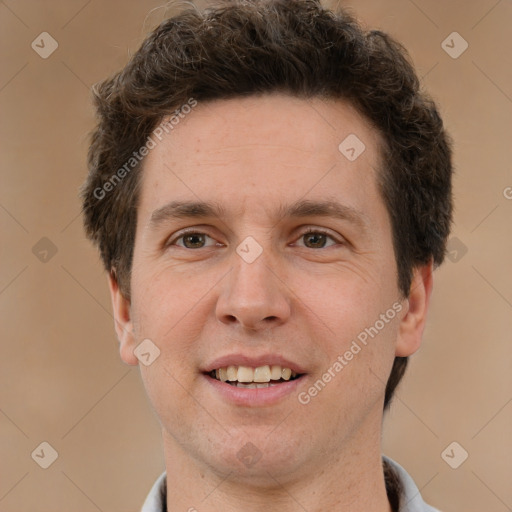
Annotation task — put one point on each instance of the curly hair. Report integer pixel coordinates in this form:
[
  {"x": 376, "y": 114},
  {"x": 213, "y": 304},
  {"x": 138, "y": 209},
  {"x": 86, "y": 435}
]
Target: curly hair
[{"x": 297, "y": 47}]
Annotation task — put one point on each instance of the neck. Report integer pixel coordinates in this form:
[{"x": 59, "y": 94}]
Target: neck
[{"x": 351, "y": 480}]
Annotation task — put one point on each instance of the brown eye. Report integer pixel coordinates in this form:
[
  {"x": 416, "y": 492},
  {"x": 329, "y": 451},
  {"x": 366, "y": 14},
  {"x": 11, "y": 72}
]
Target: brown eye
[
  {"x": 191, "y": 240},
  {"x": 316, "y": 239}
]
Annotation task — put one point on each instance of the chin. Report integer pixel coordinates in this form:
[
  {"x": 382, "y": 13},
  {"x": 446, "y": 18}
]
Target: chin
[{"x": 259, "y": 457}]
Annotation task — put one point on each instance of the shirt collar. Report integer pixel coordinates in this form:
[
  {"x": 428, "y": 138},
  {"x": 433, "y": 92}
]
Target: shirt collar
[{"x": 410, "y": 500}]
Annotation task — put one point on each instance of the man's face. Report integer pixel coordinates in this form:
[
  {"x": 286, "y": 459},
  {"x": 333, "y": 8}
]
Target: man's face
[{"x": 248, "y": 287}]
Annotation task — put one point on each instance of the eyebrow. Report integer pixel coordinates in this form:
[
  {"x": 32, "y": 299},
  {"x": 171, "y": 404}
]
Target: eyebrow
[{"x": 298, "y": 209}]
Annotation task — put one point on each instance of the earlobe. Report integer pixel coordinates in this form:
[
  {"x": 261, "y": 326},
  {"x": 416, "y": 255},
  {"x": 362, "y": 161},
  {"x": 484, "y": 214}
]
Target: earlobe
[
  {"x": 413, "y": 322},
  {"x": 122, "y": 321}
]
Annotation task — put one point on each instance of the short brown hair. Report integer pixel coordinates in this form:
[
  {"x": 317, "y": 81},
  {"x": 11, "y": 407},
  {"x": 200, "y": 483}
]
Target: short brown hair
[{"x": 242, "y": 48}]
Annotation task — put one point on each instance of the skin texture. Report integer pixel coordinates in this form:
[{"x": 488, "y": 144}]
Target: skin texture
[{"x": 304, "y": 298}]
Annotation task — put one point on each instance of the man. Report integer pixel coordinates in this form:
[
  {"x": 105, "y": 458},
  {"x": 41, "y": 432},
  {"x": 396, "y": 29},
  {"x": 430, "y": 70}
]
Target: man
[{"x": 270, "y": 192}]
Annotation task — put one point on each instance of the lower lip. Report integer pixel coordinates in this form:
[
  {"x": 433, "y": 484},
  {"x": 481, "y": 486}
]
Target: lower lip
[{"x": 254, "y": 397}]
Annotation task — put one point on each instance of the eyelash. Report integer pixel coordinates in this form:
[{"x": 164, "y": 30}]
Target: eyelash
[
  {"x": 320, "y": 231},
  {"x": 195, "y": 232}
]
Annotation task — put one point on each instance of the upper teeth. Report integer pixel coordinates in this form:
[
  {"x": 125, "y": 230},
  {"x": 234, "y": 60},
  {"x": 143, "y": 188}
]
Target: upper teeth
[{"x": 260, "y": 374}]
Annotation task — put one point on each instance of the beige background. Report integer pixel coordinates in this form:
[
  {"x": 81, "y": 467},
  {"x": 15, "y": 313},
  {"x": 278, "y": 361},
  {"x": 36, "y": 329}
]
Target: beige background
[{"x": 62, "y": 379}]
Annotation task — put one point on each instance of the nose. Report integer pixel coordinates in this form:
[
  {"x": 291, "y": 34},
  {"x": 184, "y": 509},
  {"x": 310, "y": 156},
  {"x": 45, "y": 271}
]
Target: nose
[{"x": 254, "y": 295}]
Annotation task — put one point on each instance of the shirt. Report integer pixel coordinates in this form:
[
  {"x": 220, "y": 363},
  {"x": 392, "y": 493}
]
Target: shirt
[{"x": 410, "y": 499}]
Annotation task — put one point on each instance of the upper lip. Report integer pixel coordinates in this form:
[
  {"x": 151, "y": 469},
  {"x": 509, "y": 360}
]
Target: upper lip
[{"x": 253, "y": 362}]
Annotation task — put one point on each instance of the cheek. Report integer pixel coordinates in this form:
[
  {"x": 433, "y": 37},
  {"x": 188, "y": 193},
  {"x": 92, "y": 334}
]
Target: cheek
[
  {"x": 358, "y": 326},
  {"x": 163, "y": 299},
  {"x": 343, "y": 301},
  {"x": 187, "y": 420},
  {"x": 353, "y": 382}
]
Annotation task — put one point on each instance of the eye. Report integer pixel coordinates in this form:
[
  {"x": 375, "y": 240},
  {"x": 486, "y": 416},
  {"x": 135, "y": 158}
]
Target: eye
[
  {"x": 314, "y": 239},
  {"x": 191, "y": 240},
  {"x": 317, "y": 238}
]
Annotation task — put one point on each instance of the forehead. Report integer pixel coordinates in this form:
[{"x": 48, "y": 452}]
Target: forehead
[{"x": 250, "y": 154}]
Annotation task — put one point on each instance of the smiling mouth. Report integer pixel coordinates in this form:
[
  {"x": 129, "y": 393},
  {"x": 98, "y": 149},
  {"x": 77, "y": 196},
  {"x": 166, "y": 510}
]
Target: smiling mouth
[{"x": 260, "y": 377}]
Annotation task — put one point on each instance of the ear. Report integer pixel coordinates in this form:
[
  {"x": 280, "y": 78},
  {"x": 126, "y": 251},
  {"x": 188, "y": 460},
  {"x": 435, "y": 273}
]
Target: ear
[
  {"x": 413, "y": 322},
  {"x": 122, "y": 321}
]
